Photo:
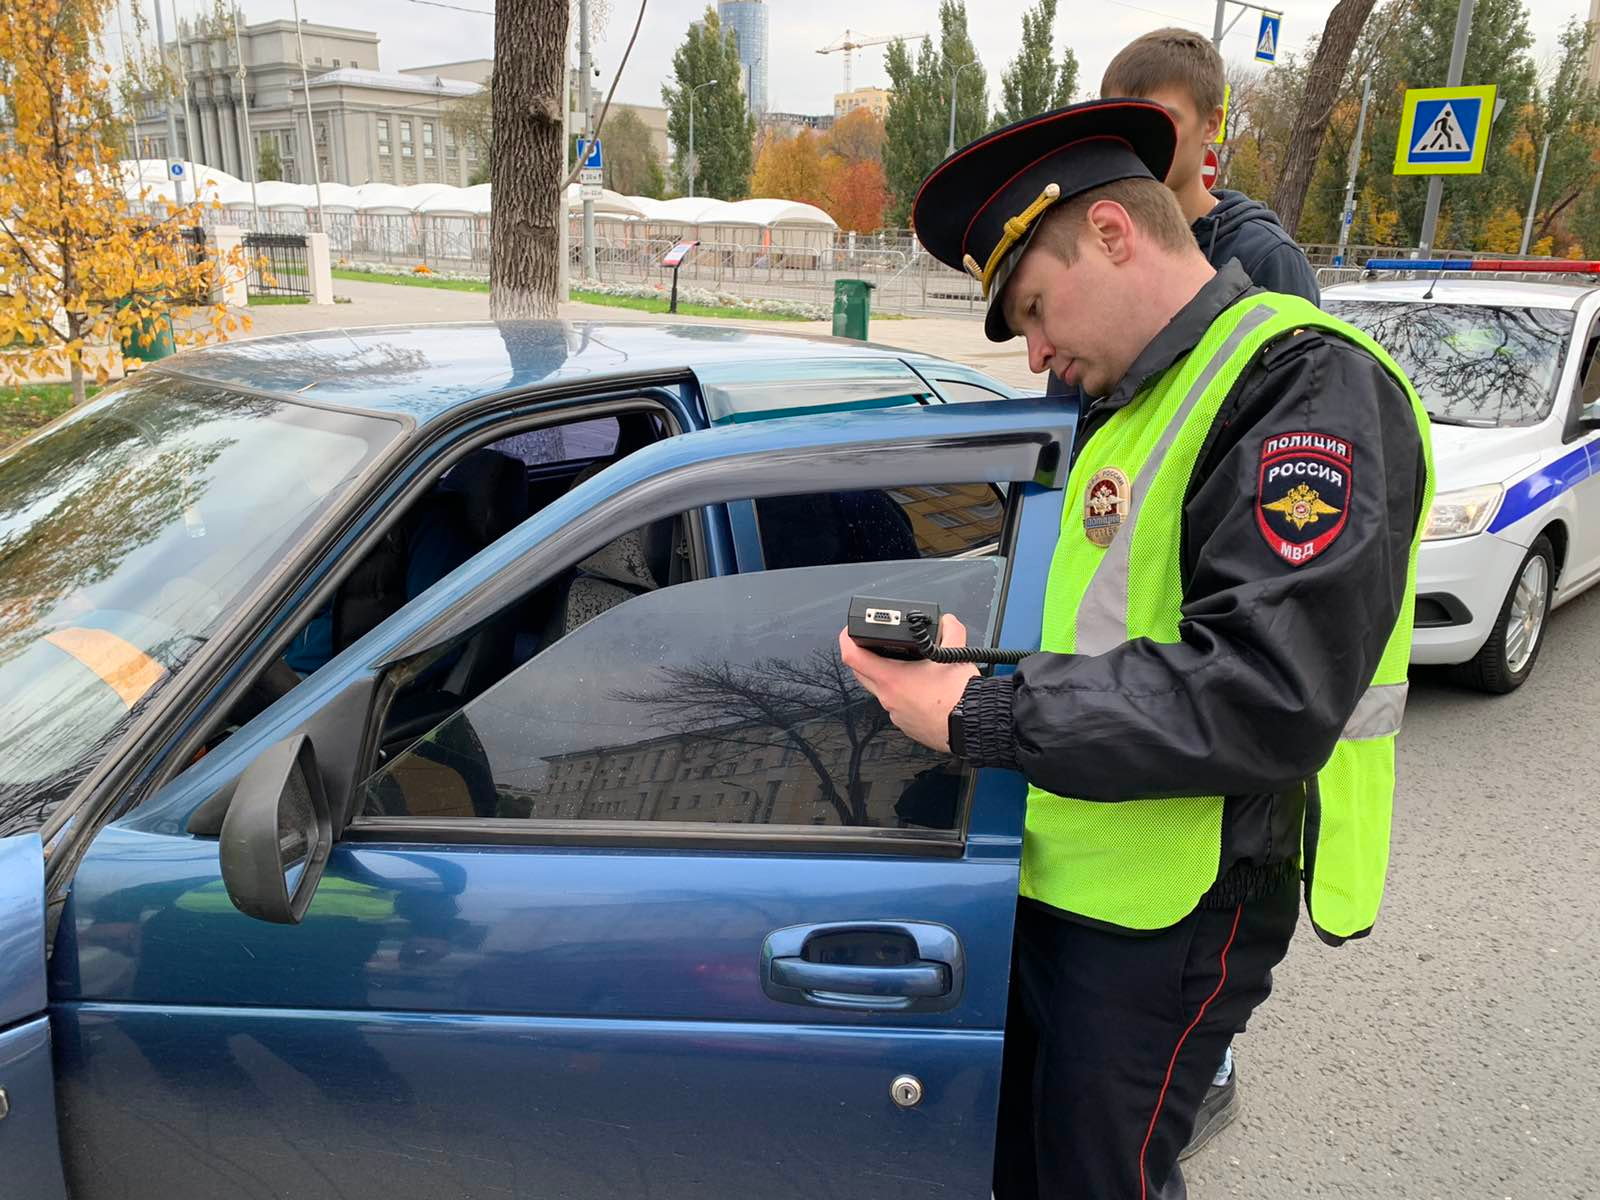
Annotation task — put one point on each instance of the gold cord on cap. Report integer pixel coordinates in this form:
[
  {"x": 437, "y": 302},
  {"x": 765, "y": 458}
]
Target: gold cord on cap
[
  {"x": 973, "y": 269},
  {"x": 1015, "y": 228}
]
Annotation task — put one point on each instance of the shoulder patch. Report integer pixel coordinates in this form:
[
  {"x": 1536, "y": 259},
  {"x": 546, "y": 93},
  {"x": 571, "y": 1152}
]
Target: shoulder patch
[{"x": 1303, "y": 493}]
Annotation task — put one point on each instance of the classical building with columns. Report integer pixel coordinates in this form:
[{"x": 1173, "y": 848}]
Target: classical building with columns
[{"x": 370, "y": 126}]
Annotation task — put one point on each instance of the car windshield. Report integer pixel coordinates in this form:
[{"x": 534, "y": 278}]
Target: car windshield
[
  {"x": 1472, "y": 364},
  {"x": 128, "y": 533}
]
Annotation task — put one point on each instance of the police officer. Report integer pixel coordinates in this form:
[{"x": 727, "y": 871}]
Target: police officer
[{"x": 1227, "y": 622}]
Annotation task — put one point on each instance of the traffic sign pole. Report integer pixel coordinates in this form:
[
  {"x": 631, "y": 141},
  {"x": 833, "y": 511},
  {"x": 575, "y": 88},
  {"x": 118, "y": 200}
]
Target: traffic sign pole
[
  {"x": 1458, "y": 64},
  {"x": 585, "y": 68},
  {"x": 172, "y": 124}
]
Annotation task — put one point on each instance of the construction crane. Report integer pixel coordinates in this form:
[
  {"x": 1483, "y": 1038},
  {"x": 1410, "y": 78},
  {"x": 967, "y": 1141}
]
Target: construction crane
[{"x": 852, "y": 41}]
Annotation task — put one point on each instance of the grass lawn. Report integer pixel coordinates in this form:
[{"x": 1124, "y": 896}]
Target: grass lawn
[
  {"x": 423, "y": 281},
  {"x": 259, "y": 301},
  {"x": 24, "y": 409},
  {"x": 650, "y": 305},
  {"x": 636, "y": 303}
]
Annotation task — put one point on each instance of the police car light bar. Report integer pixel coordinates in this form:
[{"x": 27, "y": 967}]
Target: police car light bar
[{"x": 1543, "y": 266}]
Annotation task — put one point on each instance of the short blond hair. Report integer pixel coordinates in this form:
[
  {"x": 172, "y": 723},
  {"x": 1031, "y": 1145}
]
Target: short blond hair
[
  {"x": 1168, "y": 58},
  {"x": 1151, "y": 206}
]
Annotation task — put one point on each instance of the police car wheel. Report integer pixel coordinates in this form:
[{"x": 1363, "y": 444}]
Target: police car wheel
[{"x": 1506, "y": 659}]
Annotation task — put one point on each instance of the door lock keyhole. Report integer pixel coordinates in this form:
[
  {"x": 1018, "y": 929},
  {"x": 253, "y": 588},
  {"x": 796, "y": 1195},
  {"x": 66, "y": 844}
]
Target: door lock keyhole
[{"x": 906, "y": 1091}]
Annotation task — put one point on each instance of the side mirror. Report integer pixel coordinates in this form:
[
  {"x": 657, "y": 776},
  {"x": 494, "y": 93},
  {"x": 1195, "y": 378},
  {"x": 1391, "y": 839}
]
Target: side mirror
[{"x": 277, "y": 834}]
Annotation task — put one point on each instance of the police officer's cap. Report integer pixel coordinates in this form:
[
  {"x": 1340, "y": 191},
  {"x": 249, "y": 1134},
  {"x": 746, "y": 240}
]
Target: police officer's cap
[{"x": 979, "y": 208}]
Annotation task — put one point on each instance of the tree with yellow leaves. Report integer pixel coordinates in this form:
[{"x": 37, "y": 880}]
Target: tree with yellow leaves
[{"x": 83, "y": 271}]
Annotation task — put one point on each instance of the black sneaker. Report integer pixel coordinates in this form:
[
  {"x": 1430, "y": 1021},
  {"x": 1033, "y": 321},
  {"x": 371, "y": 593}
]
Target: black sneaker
[{"x": 1217, "y": 1112}]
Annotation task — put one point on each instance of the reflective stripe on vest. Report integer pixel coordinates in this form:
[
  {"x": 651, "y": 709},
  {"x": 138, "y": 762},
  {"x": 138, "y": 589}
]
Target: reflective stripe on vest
[{"x": 1143, "y": 864}]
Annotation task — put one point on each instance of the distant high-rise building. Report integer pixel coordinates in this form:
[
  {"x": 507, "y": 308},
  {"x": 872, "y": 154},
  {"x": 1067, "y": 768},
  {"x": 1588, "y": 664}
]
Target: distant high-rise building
[
  {"x": 748, "y": 20},
  {"x": 1592, "y": 77}
]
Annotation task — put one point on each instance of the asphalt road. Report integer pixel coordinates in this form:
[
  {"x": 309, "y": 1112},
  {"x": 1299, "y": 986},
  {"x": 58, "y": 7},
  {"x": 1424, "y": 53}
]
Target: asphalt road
[{"x": 1454, "y": 1053}]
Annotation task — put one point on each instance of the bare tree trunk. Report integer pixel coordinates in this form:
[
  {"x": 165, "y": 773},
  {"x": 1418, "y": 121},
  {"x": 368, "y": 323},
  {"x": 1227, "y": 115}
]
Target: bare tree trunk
[
  {"x": 530, "y": 57},
  {"x": 1339, "y": 38}
]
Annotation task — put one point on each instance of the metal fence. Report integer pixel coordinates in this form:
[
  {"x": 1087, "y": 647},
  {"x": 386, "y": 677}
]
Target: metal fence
[
  {"x": 280, "y": 264},
  {"x": 797, "y": 265}
]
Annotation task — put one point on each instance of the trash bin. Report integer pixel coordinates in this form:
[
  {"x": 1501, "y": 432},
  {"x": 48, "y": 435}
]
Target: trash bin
[
  {"x": 852, "y": 304},
  {"x": 157, "y": 329}
]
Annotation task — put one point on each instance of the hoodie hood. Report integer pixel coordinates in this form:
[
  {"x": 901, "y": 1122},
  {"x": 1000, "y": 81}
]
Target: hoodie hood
[{"x": 1237, "y": 224}]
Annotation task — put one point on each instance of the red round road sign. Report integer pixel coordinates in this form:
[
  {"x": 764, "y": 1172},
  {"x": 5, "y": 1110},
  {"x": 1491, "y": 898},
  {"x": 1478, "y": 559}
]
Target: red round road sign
[{"x": 1209, "y": 167}]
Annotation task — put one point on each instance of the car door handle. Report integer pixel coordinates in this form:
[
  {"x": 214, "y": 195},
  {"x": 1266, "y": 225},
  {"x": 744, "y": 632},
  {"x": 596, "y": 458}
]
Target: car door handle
[
  {"x": 917, "y": 979},
  {"x": 923, "y": 967}
]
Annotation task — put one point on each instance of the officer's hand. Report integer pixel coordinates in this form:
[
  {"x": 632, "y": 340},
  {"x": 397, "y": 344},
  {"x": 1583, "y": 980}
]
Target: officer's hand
[{"x": 918, "y": 696}]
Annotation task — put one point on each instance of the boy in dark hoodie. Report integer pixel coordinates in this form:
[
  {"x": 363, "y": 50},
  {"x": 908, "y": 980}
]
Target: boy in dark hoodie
[{"x": 1182, "y": 72}]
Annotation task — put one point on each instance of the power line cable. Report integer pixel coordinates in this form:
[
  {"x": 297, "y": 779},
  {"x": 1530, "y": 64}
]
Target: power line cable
[{"x": 482, "y": 12}]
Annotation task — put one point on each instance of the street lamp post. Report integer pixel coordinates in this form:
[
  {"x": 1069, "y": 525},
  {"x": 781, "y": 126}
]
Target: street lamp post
[
  {"x": 1533, "y": 202},
  {"x": 311, "y": 128},
  {"x": 692, "y": 163},
  {"x": 954, "y": 78}
]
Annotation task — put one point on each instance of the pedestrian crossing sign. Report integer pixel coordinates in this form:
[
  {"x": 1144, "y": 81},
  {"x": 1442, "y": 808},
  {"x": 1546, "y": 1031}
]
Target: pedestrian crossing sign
[
  {"x": 1444, "y": 131},
  {"x": 1267, "y": 39}
]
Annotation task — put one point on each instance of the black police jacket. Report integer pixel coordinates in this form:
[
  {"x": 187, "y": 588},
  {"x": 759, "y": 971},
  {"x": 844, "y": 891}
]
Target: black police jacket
[{"x": 1272, "y": 657}]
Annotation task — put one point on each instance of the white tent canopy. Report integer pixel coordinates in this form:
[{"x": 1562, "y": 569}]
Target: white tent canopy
[
  {"x": 458, "y": 202},
  {"x": 290, "y": 200}
]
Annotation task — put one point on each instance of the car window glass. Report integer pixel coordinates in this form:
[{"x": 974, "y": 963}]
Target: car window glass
[
  {"x": 966, "y": 390},
  {"x": 1478, "y": 363},
  {"x": 1589, "y": 394},
  {"x": 596, "y": 438},
  {"x": 755, "y": 391},
  {"x": 129, "y": 534},
  {"x": 718, "y": 702},
  {"x": 931, "y": 521}
]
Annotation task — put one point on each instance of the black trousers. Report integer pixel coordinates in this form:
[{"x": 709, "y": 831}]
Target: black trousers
[{"x": 1112, "y": 1039}]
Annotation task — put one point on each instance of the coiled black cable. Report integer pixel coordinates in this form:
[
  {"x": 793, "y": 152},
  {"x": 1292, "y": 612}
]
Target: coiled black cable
[{"x": 922, "y": 629}]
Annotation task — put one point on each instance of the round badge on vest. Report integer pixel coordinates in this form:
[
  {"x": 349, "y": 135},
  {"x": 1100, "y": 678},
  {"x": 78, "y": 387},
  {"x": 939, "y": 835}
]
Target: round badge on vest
[{"x": 1105, "y": 504}]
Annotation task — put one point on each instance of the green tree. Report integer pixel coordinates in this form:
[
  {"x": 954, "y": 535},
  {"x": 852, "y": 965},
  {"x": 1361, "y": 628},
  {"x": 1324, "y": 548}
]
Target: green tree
[
  {"x": 724, "y": 128},
  {"x": 1066, "y": 79},
  {"x": 269, "y": 166},
  {"x": 916, "y": 134},
  {"x": 1566, "y": 109},
  {"x": 1408, "y": 44},
  {"x": 1034, "y": 82},
  {"x": 632, "y": 167}
]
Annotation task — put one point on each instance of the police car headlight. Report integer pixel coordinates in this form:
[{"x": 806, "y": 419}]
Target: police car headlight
[{"x": 1462, "y": 513}]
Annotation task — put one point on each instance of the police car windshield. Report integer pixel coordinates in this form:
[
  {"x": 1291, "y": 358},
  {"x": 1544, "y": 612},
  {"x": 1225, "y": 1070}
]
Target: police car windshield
[
  {"x": 128, "y": 534},
  {"x": 1472, "y": 364}
]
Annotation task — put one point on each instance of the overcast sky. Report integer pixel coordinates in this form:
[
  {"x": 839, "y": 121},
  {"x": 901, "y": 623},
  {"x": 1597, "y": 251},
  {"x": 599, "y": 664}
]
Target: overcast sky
[{"x": 413, "y": 33}]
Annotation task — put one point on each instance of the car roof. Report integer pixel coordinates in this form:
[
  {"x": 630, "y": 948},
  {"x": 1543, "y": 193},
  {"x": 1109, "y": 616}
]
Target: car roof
[
  {"x": 1519, "y": 293},
  {"x": 424, "y": 371}
]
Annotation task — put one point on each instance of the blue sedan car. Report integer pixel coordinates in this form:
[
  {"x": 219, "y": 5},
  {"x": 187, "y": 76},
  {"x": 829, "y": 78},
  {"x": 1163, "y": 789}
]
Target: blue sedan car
[{"x": 429, "y": 768}]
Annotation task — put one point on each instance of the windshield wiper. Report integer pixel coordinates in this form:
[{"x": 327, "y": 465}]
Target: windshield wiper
[{"x": 1469, "y": 422}]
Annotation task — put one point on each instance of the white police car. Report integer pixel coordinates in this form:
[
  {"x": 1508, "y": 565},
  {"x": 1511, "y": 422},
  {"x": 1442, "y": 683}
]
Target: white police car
[{"x": 1506, "y": 369}]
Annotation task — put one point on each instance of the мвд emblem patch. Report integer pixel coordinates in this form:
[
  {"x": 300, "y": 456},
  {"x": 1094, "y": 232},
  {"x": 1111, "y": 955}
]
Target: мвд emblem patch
[{"x": 1303, "y": 493}]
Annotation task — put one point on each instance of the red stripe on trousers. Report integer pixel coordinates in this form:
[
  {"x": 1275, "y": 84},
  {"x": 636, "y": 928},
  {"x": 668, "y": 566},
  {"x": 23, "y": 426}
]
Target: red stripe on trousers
[{"x": 1173, "y": 1061}]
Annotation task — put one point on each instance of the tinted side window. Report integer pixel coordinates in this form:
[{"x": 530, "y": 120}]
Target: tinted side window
[
  {"x": 595, "y": 438},
  {"x": 721, "y": 701},
  {"x": 933, "y": 521},
  {"x": 964, "y": 390}
]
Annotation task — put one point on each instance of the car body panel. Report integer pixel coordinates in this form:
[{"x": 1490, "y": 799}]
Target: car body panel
[
  {"x": 543, "y": 1019},
  {"x": 30, "y": 1153},
  {"x": 426, "y": 372}
]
